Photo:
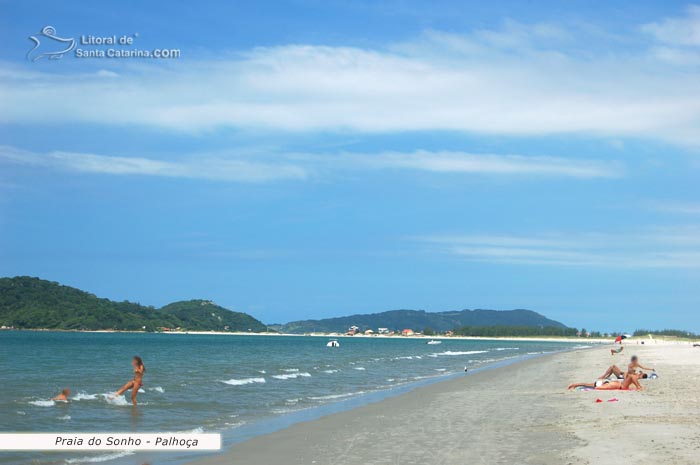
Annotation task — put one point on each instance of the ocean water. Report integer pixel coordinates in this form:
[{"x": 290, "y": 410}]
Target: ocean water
[{"x": 210, "y": 383}]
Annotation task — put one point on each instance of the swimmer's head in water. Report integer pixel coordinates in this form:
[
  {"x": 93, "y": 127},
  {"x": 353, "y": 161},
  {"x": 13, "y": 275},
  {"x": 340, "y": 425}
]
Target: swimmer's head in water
[{"x": 66, "y": 392}]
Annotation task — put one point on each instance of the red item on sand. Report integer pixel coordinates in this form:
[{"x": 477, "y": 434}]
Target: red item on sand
[{"x": 598, "y": 401}]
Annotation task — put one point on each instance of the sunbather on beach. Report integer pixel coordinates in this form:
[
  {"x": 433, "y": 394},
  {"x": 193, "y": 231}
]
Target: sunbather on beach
[
  {"x": 631, "y": 383},
  {"x": 613, "y": 370},
  {"x": 63, "y": 396},
  {"x": 136, "y": 383},
  {"x": 634, "y": 365},
  {"x": 605, "y": 385}
]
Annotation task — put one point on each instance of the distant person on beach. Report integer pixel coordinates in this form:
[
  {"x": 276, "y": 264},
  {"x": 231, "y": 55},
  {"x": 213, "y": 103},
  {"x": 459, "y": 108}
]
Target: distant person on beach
[
  {"x": 63, "y": 396},
  {"x": 136, "y": 383}
]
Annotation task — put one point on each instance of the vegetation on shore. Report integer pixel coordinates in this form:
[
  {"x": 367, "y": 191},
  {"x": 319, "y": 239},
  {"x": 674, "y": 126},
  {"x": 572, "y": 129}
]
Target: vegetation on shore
[
  {"x": 33, "y": 303},
  {"x": 435, "y": 322},
  {"x": 515, "y": 331},
  {"x": 667, "y": 332}
]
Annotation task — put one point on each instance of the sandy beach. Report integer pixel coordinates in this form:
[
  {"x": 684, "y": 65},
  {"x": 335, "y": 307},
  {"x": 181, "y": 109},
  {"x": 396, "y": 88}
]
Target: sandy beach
[{"x": 519, "y": 414}]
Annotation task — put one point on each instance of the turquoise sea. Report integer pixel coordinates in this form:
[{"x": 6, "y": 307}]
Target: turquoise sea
[{"x": 237, "y": 385}]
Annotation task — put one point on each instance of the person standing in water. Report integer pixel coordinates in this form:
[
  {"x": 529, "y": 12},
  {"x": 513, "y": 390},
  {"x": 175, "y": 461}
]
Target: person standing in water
[{"x": 136, "y": 383}]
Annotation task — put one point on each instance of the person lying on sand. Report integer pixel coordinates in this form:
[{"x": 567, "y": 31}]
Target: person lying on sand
[
  {"x": 603, "y": 380},
  {"x": 63, "y": 396},
  {"x": 629, "y": 382},
  {"x": 616, "y": 351},
  {"x": 136, "y": 383},
  {"x": 613, "y": 370}
]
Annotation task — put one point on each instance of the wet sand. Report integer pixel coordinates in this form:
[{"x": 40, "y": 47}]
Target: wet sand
[{"x": 519, "y": 414}]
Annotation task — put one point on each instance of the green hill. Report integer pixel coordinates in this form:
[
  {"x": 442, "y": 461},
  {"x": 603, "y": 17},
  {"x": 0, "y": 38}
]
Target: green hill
[
  {"x": 418, "y": 320},
  {"x": 31, "y": 303},
  {"x": 204, "y": 315}
]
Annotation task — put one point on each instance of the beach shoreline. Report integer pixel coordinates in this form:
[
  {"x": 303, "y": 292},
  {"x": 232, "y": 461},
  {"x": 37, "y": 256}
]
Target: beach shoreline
[
  {"x": 520, "y": 413},
  {"x": 588, "y": 341}
]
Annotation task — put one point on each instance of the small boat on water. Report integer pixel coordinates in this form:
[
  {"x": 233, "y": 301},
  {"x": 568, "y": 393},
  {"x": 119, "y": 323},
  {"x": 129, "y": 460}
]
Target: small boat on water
[
  {"x": 433, "y": 342},
  {"x": 333, "y": 343}
]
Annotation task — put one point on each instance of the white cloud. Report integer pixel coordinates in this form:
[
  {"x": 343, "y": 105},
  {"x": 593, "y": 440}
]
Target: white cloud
[
  {"x": 274, "y": 167},
  {"x": 651, "y": 248},
  {"x": 519, "y": 80},
  {"x": 200, "y": 168},
  {"x": 688, "y": 208},
  {"x": 684, "y": 31}
]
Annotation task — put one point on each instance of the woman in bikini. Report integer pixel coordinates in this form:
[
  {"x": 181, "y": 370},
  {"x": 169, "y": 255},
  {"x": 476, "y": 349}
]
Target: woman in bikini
[
  {"x": 630, "y": 383},
  {"x": 136, "y": 383}
]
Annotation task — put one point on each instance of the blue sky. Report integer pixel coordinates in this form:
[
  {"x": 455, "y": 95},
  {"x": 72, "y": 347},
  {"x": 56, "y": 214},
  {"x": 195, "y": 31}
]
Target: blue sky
[{"x": 312, "y": 159}]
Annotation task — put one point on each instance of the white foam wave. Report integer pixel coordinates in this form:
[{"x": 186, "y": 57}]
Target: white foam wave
[
  {"x": 292, "y": 375},
  {"x": 197, "y": 430},
  {"x": 84, "y": 396},
  {"x": 243, "y": 381},
  {"x": 337, "y": 396},
  {"x": 64, "y": 417},
  {"x": 330, "y": 371},
  {"x": 441, "y": 369},
  {"x": 43, "y": 403},
  {"x": 507, "y": 348},
  {"x": 467, "y": 352},
  {"x": 234, "y": 424},
  {"x": 360, "y": 368},
  {"x": 157, "y": 389},
  {"x": 114, "y": 399},
  {"x": 100, "y": 458},
  {"x": 290, "y": 370}
]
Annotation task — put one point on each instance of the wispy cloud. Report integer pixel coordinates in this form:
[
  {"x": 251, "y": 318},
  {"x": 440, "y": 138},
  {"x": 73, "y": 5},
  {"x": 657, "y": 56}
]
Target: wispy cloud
[
  {"x": 652, "y": 248},
  {"x": 196, "y": 168},
  {"x": 520, "y": 79},
  {"x": 296, "y": 166},
  {"x": 667, "y": 206},
  {"x": 684, "y": 31}
]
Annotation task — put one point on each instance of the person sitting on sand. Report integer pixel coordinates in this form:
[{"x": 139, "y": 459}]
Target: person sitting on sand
[
  {"x": 63, "y": 396},
  {"x": 136, "y": 383},
  {"x": 616, "y": 351},
  {"x": 634, "y": 365}
]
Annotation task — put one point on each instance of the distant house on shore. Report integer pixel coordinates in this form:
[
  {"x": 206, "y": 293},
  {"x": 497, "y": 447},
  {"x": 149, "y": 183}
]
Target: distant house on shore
[
  {"x": 407, "y": 332},
  {"x": 369, "y": 332},
  {"x": 383, "y": 330},
  {"x": 352, "y": 330}
]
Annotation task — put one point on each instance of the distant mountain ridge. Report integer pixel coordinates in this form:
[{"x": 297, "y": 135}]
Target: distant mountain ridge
[
  {"x": 33, "y": 303},
  {"x": 418, "y": 320}
]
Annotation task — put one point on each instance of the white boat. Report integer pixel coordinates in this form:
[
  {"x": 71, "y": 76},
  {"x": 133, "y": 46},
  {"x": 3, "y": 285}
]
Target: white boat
[
  {"x": 333, "y": 343},
  {"x": 433, "y": 342}
]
